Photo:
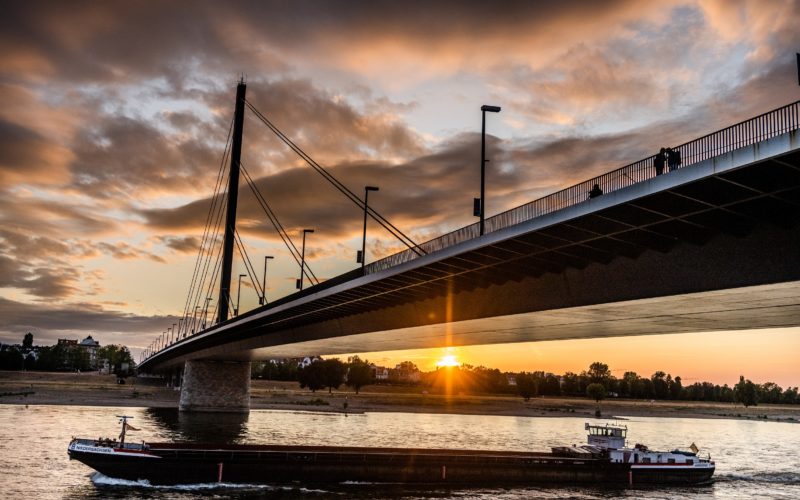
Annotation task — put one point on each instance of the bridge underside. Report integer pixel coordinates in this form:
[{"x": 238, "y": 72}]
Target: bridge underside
[{"x": 713, "y": 246}]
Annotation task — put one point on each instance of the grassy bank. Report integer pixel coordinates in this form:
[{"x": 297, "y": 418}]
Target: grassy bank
[{"x": 92, "y": 389}]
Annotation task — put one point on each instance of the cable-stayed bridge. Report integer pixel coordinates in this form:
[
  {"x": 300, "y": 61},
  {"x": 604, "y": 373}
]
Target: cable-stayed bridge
[{"x": 711, "y": 245}]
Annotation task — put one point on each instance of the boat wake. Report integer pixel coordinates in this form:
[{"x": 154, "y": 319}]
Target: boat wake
[
  {"x": 789, "y": 478},
  {"x": 102, "y": 480}
]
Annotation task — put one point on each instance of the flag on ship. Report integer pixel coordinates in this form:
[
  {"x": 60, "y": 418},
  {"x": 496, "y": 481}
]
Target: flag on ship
[{"x": 694, "y": 448}]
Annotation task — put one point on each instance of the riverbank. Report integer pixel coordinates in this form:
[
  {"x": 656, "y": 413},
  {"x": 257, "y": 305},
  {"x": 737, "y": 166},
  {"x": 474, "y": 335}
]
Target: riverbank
[{"x": 93, "y": 389}]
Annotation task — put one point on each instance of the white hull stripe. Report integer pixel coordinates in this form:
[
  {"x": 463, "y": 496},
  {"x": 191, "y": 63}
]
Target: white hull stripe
[{"x": 671, "y": 467}]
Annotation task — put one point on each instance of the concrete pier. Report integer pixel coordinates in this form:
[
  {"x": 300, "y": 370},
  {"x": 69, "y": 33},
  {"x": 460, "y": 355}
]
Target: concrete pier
[{"x": 216, "y": 386}]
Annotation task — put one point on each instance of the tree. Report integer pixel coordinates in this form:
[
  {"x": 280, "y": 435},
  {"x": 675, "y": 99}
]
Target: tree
[
  {"x": 550, "y": 386},
  {"x": 771, "y": 393},
  {"x": 571, "y": 385},
  {"x": 599, "y": 373},
  {"x": 116, "y": 355},
  {"x": 660, "y": 385},
  {"x": 790, "y": 396},
  {"x": 676, "y": 388},
  {"x": 27, "y": 341},
  {"x": 526, "y": 386},
  {"x": 359, "y": 373},
  {"x": 408, "y": 366},
  {"x": 596, "y": 391},
  {"x": 11, "y": 359},
  {"x": 312, "y": 376},
  {"x": 333, "y": 373},
  {"x": 746, "y": 392}
]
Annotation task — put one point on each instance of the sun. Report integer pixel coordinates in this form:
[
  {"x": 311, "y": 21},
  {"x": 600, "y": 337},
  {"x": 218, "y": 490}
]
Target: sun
[{"x": 448, "y": 360}]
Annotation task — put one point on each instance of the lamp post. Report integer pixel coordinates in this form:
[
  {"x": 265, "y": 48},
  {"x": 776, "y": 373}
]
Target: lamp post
[
  {"x": 179, "y": 328},
  {"x": 238, "y": 295},
  {"x": 205, "y": 312},
  {"x": 174, "y": 337},
  {"x": 195, "y": 319},
  {"x": 263, "y": 299},
  {"x": 303, "y": 259},
  {"x": 480, "y": 204},
  {"x": 362, "y": 255}
]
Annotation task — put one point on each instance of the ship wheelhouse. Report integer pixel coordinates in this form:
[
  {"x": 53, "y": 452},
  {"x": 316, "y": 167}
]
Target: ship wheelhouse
[{"x": 608, "y": 436}]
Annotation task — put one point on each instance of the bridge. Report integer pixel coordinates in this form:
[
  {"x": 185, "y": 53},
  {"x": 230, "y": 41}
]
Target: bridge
[{"x": 712, "y": 245}]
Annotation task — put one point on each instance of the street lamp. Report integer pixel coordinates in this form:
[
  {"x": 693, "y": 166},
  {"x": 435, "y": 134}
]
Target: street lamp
[
  {"x": 238, "y": 295},
  {"x": 205, "y": 311},
  {"x": 479, "y": 204},
  {"x": 263, "y": 299},
  {"x": 299, "y": 283},
  {"x": 179, "y": 328},
  {"x": 195, "y": 319},
  {"x": 174, "y": 334},
  {"x": 362, "y": 255}
]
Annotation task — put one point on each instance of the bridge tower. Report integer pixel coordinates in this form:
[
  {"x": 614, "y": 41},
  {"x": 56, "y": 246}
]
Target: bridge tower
[{"x": 213, "y": 385}]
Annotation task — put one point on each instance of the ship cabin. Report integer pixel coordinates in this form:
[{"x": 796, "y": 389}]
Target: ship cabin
[{"x": 608, "y": 436}]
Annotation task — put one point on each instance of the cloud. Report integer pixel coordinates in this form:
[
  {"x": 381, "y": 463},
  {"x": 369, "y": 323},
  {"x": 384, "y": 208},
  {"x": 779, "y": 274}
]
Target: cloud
[
  {"x": 27, "y": 157},
  {"x": 124, "y": 251},
  {"x": 48, "y": 323},
  {"x": 186, "y": 245},
  {"x": 113, "y": 115}
]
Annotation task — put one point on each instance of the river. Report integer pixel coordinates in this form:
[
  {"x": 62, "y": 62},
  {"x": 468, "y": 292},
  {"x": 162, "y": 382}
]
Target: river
[{"x": 754, "y": 458}]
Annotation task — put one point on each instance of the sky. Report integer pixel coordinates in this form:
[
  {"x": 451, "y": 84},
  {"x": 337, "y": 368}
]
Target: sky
[{"x": 114, "y": 117}]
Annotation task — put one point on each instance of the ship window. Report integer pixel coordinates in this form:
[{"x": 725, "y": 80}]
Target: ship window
[
  {"x": 646, "y": 460},
  {"x": 689, "y": 461},
  {"x": 670, "y": 460}
]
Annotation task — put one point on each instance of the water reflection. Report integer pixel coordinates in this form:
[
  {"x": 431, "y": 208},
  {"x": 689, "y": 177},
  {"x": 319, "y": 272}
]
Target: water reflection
[{"x": 198, "y": 427}]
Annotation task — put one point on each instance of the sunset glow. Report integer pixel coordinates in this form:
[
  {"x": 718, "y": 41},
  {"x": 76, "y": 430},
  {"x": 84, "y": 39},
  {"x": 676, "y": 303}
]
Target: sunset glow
[{"x": 448, "y": 360}]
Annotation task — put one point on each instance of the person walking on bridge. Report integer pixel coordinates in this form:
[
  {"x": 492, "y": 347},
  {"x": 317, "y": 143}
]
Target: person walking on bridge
[
  {"x": 674, "y": 159},
  {"x": 659, "y": 161}
]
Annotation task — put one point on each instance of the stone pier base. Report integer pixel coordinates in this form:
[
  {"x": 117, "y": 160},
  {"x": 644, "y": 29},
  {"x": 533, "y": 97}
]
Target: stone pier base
[{"x": 222, "y": 386}]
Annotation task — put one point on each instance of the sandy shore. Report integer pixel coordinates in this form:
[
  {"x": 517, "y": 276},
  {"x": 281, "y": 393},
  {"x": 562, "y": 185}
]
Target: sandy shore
[{"x": 92, "y": 389}]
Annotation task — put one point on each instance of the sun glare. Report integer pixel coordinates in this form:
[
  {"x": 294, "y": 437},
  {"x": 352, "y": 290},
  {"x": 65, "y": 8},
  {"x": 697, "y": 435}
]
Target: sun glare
[{"x": 448, "y": 360}]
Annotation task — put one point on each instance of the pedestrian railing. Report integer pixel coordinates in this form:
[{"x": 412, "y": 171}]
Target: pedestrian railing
[{"x": 757, "y": 129}]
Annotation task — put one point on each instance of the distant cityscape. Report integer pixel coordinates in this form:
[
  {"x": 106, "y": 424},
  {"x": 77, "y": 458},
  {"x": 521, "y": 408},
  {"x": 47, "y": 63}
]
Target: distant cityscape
[{"x": 66, "y": 355}]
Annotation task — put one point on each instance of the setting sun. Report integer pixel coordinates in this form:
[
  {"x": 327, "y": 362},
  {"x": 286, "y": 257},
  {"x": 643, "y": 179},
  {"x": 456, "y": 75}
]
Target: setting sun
[{"x": 448, "y": 360}]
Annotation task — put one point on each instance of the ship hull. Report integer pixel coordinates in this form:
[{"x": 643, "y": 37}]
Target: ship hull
[{"x": 191, "y": 464}]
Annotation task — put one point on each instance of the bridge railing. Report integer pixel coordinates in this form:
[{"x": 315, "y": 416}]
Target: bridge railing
[{"x": 759, "y": 128}]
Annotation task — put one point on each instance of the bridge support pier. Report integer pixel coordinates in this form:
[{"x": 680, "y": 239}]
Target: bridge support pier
[{"x": 216, "y": 386}]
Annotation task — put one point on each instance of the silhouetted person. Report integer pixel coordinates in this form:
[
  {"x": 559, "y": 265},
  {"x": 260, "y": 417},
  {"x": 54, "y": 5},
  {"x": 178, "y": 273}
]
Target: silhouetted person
[
  {"x": 661, "y": 159},
  {"x": 674, "y": 159},
  {"x": 595, "y": 192}
]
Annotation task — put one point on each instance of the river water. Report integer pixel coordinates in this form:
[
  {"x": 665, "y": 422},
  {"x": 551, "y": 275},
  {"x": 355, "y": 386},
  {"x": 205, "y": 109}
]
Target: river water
[{"x": 754, "y": 459}]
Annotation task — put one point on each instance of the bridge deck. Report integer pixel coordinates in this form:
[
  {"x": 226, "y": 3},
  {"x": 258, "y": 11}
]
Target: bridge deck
[{"x": 667, "y": 254}]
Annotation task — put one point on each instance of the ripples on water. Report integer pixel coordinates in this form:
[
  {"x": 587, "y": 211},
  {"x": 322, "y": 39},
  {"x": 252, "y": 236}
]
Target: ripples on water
[{"x": 754, "y": 459}]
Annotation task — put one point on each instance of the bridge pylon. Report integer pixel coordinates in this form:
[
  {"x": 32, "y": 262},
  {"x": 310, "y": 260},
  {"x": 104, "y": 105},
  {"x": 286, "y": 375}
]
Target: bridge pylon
[{"x": 215, "y": 386}]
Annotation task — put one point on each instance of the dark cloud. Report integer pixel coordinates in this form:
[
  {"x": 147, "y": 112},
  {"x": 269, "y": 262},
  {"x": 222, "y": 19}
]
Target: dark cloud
[
  {"x": 25, "y": 155},
  {"x": 48, "y": 323},
  {"x": 113, "y": 114},
  {"x": 124, "y": 251},
  {"x": 430, "y": 188},
  {"x": 123, "y": 158},
  {"x": 44, "y": 282},
  {"x": 188, "y": 245}
]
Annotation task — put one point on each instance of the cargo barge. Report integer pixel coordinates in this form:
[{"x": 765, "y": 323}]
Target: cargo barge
[{"x": 605, "y": 459}]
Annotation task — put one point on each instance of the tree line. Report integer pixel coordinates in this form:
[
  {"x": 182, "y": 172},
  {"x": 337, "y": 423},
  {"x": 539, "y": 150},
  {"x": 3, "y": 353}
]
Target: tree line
[{"x": 597, "y": 382}]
